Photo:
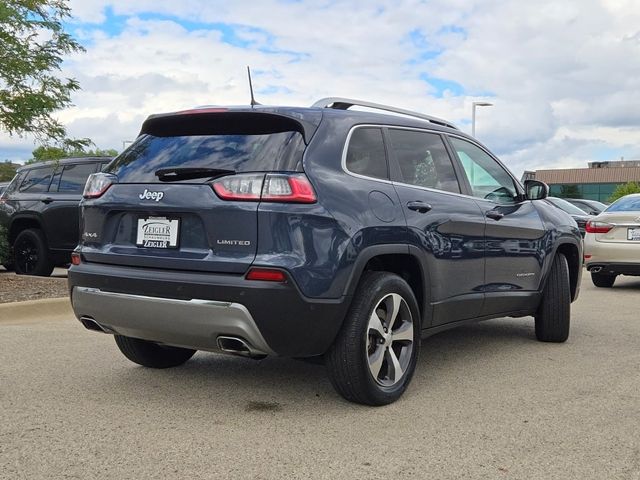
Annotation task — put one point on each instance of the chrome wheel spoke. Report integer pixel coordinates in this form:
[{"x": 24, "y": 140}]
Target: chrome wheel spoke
[
  {"x": 404, "y": 333},
  {"x": 395, "y": 370},
  {"x": 375, "y": 324},
  {"x": 375, "y": 361},
  {"x": 393, "y": 302}
]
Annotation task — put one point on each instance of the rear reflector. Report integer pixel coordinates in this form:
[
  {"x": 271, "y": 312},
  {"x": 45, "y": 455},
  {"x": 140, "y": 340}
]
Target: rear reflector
[
  {"x": 97, "y": 184},
  {"x": 75, "y": 258},
  {"x": 597, "y": 227},
  {"x": 252, "y": 187},
  {"x": 266, "y": 275}
]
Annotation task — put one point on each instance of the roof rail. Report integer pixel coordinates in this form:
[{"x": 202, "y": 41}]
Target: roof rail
[{"x": 339, "y": 103}]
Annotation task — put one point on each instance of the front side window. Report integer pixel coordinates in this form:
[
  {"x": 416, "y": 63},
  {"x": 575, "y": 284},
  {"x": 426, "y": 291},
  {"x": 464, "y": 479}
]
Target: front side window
[
  {"x": 366, "y": 155},
  {"x": 487, "y": 178},
  {"x": 37, "y": 180},
  {"x": 423, "y": 160}
]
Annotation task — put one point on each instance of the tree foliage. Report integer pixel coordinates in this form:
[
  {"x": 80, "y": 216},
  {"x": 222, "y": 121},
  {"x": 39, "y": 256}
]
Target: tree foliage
[
  {"x": 7, "y": 171},
  {"x": 45, "y": 153},
  {"x": 32, "y": 44},
  {"x": 624, "y": 189}
]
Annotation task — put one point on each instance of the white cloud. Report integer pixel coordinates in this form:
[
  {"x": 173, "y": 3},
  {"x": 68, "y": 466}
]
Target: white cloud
[{"x": 564, "y": 76}]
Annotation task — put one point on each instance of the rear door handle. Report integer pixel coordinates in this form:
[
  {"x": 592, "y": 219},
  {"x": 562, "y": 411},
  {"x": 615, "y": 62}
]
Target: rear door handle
[
  {"x": 494, "y": 215},
  {"x": 47, "y": 200},
  {"x": 418, "y": 206}
]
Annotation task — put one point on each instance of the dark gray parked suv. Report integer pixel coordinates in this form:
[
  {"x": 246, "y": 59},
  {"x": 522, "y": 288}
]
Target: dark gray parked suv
[
  {"x": 315, "y": 232},
  {"x": 39, "y": 212}
]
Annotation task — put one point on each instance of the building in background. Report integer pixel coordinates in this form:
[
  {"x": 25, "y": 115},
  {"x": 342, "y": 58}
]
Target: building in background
[{"x": 594, "y": 183}]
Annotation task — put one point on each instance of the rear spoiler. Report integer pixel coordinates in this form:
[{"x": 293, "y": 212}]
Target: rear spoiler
[{"x": 222, "y": 121}]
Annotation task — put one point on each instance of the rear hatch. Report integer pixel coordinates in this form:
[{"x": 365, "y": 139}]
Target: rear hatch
[
  {"x": 617, "y": 227},
  {"x": 162, "y": 211}
]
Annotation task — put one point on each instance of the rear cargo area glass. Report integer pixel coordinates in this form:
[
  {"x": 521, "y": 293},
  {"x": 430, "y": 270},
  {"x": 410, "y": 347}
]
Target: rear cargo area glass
[{"x": 265, "y": 152}]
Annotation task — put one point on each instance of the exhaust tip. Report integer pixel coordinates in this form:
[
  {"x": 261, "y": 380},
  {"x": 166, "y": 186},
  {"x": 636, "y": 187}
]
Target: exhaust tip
[
  {"x": 595, "y": 269},
  {"x": 90, "y": 324},
  {"x": 238, "y": 346}
]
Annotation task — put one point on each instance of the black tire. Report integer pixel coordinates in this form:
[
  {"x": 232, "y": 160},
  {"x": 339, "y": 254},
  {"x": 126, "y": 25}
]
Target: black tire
[
  {"x": 152, "y": 355},
  {"x": 348, "y": 360},
  {"x": 554, "y": 313},
  {"x": 603, "y": 280},
  {"x": 31, "y": 254}
]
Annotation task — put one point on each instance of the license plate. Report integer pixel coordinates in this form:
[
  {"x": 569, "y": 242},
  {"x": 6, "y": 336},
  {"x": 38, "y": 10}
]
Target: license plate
[
  {"x": 158, "y": 232},
  {"x": 633, "y": 234}
]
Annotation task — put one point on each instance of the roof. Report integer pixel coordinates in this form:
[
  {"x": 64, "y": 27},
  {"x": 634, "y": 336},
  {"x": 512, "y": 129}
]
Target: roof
[
  {"x": 589, "y": 175},
  {"x": 64, "y": 161}
]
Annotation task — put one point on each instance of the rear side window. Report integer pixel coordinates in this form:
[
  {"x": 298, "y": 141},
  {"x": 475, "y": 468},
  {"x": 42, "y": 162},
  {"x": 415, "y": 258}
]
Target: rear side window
[
  {"x": 75, "y": 176},
  {"x": 423, "y": 160},
  {"x": 366, "y": 154},
  {"x": 263, "y": 152},
  {"x": 37, "y": 180}
]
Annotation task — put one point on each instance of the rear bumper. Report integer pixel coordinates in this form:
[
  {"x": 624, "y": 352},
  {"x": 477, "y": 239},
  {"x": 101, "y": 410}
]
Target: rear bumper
[
  {"x": 632, "y": 269},
  {"x": 193, "y": 309}
]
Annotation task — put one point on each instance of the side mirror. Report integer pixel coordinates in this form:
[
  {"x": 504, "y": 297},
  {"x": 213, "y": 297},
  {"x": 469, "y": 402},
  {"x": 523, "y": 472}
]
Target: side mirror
[{"x": 535, "y": 190}]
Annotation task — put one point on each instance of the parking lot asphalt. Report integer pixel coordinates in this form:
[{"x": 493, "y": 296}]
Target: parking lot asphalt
[{"x": 487, "y": 401}]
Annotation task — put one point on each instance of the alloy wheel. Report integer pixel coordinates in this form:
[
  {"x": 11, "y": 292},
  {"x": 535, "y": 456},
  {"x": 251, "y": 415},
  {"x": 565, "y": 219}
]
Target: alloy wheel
[
  {"x": 390, "y": 340},
  {"x": 26, "y": 256}
]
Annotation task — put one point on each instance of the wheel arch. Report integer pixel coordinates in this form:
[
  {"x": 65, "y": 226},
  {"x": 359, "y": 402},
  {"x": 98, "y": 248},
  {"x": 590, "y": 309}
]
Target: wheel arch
[
  {"x": 404, "y": 261},
  {"x": 572, "y": 253},
  {"x": 22, "y": 222}
]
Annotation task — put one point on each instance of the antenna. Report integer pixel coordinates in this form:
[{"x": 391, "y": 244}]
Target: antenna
[{"x": 253, "y": 100}]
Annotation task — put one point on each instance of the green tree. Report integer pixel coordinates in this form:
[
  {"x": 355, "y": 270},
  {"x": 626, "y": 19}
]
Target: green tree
[
  {"x": 32, "y": 44},
  {"x": 7, "y": 171},
  {"x": 46, "y": 153},
  {"x": 624, "y": 189}
]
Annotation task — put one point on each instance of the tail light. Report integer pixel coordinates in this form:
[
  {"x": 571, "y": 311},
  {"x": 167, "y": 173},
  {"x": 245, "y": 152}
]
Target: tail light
[
  {"x": 97, "y": 184},
  {"x": 272, "y": 187},
  {"x": 598, "y": 227},
  {"x": 75, "y": 258}
]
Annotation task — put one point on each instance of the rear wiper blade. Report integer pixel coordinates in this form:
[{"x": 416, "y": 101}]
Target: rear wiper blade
[{"x": 185, "y": 173}]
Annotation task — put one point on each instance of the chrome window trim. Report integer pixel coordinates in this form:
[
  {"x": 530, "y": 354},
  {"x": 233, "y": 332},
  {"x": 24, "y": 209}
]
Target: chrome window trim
[{"x": 389, "y": 182}]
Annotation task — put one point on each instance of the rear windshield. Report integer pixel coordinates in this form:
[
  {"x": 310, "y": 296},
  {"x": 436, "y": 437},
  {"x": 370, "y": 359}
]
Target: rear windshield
[
  {"x": 625, "y": 204},
  {"x": 566, "y": 206},
  {"x": 266, "y": 152}
]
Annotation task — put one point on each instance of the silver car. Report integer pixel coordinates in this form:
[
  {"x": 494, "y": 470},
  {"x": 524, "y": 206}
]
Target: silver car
[{"x": 612, "y": 242}]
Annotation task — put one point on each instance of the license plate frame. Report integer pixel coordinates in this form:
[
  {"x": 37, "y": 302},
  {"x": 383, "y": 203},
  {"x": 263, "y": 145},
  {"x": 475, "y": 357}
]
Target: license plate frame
[
  {"x": 633, "y": 234},
  {"x": 158, "y": 232}
]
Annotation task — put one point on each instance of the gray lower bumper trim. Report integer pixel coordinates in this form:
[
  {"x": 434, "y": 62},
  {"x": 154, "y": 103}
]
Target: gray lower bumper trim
[{"x": 185, "y": 323}]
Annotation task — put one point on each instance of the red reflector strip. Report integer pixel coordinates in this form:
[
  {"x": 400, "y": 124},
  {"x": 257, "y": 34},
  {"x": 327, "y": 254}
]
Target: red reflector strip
[
  {"x": 587, "y": 257},
  {"x": 266, "y": 275},
  {"x": 75, "y": 258}
]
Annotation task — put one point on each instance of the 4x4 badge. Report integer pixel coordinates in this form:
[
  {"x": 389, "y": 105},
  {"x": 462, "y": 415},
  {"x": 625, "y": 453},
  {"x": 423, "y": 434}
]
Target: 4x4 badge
[{"x": 149, "y": 195}]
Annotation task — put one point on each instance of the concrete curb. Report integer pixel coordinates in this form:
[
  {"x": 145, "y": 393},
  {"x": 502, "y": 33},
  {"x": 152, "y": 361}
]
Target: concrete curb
[{"x": 36, "y": 310}]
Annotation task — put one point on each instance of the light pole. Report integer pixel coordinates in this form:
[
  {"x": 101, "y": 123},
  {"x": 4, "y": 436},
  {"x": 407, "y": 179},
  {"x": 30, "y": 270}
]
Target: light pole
[
  {"x": 124, "y": 144},
  {"x": 473, "y": 114}
]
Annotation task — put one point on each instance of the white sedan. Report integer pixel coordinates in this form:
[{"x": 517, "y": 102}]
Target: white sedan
[{"x": 612, "y": 242}]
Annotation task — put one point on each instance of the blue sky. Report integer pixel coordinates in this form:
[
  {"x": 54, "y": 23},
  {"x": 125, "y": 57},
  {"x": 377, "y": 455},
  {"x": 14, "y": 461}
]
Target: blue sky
[{"x": 564, "y": 77}]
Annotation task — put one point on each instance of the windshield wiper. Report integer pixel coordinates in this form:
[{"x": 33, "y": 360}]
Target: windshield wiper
[{"x": 185, "y": 173}]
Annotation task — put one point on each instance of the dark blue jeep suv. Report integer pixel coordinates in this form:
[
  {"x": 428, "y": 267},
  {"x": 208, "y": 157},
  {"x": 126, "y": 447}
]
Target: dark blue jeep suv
[{"x": 315, "y": 232}]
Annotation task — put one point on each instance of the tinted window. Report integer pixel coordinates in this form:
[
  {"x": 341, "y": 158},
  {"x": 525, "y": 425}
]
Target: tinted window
[
  {"x": 75, "y": 176},
  {"x": 242, "y": 153},
  {"x": 423, "y": 160},
  {"x": 625, "y": 204},
  {"x": 366, "y": 155},
  {"x": 37, "y": 180},
  {"x": 566, "y": 206},
  {"x": 487, "y": 177}
]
